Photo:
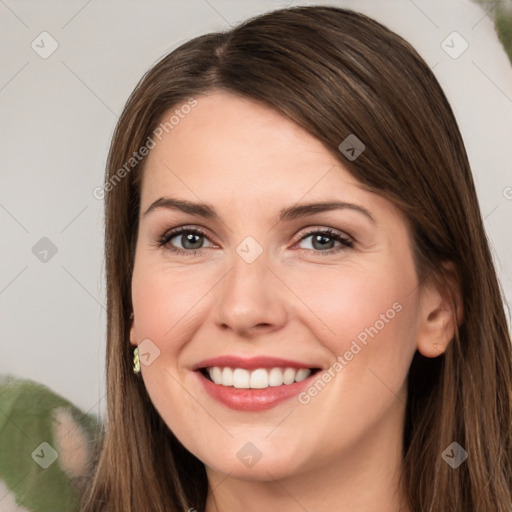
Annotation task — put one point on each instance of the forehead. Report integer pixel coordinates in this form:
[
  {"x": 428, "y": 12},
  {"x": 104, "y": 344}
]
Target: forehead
[{"x": 228, "y": 144}]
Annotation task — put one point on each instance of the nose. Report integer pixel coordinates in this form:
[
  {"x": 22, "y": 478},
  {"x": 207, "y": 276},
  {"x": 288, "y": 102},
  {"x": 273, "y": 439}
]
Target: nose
[{"x": 251, "y": 299}]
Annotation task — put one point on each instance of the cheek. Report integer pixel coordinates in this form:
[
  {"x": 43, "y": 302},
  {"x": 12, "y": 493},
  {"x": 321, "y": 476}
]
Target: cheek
[
  {"x": 167, "y": 305},
  {"x": 371, "y": 322},
  {"x": 166, "y": 301},
  {"x": 366, "y": 318},
  {"x": 355, "y": 304}
]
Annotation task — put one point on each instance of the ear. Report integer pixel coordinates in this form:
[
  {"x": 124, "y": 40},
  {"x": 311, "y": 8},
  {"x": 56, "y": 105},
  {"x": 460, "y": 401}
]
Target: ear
[{"x": 440, "y": 314}]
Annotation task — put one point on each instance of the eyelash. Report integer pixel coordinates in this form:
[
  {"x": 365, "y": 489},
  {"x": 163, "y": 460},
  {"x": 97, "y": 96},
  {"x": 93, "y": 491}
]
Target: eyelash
[{"x": 330, "y": 233}]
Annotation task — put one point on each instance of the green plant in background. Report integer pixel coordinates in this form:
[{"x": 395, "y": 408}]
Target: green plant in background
[
  {"x": 501, "y": 12},
  {"x": 47, "y": 446}
]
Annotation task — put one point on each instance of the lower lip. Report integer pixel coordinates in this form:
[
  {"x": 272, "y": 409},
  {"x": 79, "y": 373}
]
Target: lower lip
[{"x": 253, "y": 399}]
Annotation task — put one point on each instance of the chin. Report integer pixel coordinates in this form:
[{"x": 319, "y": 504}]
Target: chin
[{"x": 266, "y": 468}]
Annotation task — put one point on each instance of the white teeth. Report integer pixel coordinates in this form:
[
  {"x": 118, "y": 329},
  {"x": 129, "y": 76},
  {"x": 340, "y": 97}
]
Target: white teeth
[
  {"x": 227, "y": 377},
  {"x": 215, "y": 374},
  {"x": 302, "y": 374},
  {"x": 241, "y": 378},
  {"x": 257, "y": 379},
  {"x": 275, "y": 377},
  {"x": 289, "y": 376}
]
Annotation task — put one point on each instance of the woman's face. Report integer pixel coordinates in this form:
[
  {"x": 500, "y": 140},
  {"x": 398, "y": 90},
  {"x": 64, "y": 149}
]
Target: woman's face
[{"x": 246, "y": 291}]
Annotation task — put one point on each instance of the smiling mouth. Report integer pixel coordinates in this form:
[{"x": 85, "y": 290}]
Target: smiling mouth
[{"x": 259, "y": 378}]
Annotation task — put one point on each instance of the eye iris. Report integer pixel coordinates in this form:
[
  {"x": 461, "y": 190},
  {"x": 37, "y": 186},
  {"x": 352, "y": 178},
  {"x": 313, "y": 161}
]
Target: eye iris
[
  {"x": 321, "y": 238},
  {"x": 189, "y": 238}
]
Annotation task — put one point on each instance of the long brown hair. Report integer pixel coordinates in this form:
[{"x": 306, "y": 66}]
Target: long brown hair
[{"x": 334, "y": 72}]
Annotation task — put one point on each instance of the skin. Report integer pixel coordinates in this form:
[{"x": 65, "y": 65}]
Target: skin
[{"x": 294, "y": 301}]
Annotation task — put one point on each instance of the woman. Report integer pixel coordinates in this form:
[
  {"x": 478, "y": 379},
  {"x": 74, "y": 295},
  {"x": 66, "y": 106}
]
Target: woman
[{"x": 334, "y": 336}]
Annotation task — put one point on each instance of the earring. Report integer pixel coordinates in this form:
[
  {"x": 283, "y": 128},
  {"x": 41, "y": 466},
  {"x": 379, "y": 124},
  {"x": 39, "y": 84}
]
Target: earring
[{"x": 136, "y": 362}]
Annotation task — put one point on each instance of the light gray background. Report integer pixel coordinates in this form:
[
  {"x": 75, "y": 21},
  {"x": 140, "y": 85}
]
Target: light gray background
[{"x": 58, "y": 115}]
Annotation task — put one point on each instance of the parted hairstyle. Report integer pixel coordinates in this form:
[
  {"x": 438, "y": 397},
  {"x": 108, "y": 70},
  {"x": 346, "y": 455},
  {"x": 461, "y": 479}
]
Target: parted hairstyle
[{"x": 334, "y": 72}]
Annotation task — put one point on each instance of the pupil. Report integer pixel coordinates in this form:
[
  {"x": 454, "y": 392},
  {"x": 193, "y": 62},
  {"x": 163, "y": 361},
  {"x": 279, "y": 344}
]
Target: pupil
[
  {"x": 319, "y": 238},
  {"x": 189, "y": 238}
]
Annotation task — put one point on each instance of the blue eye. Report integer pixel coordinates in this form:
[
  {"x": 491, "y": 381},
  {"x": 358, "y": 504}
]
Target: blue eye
[{"x": 192, "y": 240}]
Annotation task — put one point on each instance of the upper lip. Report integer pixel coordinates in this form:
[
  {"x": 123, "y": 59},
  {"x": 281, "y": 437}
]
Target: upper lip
[{"x": 250, "y": 363}]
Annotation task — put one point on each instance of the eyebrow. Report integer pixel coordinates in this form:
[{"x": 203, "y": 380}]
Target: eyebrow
[{"x": 290, "y": 213}]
